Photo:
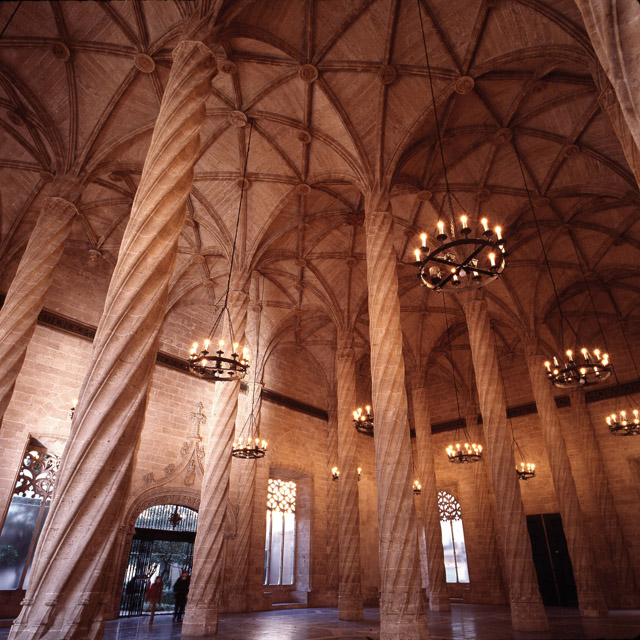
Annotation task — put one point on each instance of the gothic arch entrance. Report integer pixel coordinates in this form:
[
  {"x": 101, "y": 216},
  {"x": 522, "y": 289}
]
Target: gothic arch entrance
[{"x": 162, "y": 546}]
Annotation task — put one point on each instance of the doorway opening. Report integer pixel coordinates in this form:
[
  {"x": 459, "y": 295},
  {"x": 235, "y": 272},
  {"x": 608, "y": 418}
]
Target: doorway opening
[
  {"x": 552, "y": 561},
  {"x": 162, "y": 546}
]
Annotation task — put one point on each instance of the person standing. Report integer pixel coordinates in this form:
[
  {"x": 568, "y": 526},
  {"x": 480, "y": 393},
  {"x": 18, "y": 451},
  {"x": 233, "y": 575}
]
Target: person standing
[
  {"x": 180, "y": 590},
  {"x": 153, "y": 596}
]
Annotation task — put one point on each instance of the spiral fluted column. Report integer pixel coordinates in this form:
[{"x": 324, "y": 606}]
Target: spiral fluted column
[
  {"x": 65, "y": 596},
  {"x": 206, "y": 590},
  {"x": 350, "y": 591},
  {"x": 592, "y": 461},
  {"x": 437, "y": 586},
  {"x": 590, "y": 599},
  {"x": 243, "y": 472},
  {"x": 402, "y": 614},
  {"x": 527, "y": 612},
  {"x": 333, "y": 547},
  {"x": 28, "y": 288}
]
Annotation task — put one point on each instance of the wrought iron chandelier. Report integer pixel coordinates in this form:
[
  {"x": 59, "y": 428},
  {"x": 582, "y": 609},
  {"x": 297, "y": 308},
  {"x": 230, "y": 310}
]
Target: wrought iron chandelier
[
  {"x": 363, "y": 422},
  {"x": 594, "y": 367},
  {"x": 468, "y": 451},
  {"x": 217, "y": 365},
  {"x": 417, "y": 487},
  {"x": 335, "y": 473},
  {"x": 464, "y": 257},
  {"x": 249, "y": 445}
]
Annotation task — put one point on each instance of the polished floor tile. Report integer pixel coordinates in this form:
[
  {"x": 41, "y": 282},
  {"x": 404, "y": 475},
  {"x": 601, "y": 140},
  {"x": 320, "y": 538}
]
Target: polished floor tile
[{"x": 465, "y": 622}]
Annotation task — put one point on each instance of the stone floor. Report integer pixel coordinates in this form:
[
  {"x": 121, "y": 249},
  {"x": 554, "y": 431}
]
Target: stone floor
[{"x": 465, "y": 622}]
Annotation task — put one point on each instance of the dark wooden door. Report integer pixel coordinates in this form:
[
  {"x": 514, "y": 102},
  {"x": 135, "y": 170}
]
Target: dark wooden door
[{"x": 551, "y": 559}]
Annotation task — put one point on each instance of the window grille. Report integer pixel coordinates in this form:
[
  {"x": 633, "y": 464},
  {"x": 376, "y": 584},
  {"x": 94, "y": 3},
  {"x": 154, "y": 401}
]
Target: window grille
[
  {"x": 455, "y": 552},
  {"x": 279, "y": 553}
]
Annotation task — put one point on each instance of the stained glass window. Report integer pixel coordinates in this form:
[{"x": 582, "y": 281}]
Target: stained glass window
[
  {"x": 27, "y": 513},
  {"x": 455, "y": 552},
  {"x": 280, "y": 542}
]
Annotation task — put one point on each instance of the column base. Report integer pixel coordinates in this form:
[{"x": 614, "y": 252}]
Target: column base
[
  {"x": 350, "y": 608},
  {"x": 397, "y": 627},
  {"x": 529, "y": 616},
  {"x": 200, "y": 622},
  {"x": 439, "y": 602}
]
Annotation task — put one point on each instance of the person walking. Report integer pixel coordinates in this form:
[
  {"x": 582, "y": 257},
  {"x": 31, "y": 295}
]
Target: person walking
[
  {"x": 180, "y": 590},
  {"x": 153, "y": 597}
]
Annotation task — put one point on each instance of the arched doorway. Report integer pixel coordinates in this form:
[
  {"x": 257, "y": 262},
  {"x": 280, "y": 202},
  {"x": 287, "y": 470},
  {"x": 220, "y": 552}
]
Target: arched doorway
[{"x": 162, "y": 545}]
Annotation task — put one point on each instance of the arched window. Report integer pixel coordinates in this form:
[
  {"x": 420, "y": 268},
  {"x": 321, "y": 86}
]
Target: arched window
[
  {"x": 27, "y": 513},
  {"x": 280, "y": 543},
  {"x": 455, "y": 553}
]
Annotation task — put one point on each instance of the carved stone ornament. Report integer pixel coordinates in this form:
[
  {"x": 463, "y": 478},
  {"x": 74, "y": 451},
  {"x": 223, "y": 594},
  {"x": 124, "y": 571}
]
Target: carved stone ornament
[
  {"x": 540, "y": 202},
  {"x": 304, "y": 136},
  {"x": 387, "y": 74},
  {"x": 308, "y": 73},
  {"x": 571, "y": 150},
  {"x": 243, "y": 183},
  {"x": 503, "y": 135},
  {"x": 237, "y": 119},
  {"x": 351, "y": 261},
  {"x": 303, "y": 189},
  {"x": 424, "y": 195},
  {"x": 229, "y": 67},
  {"x": 196, "y": 258},
  {"x": 115, "y": 177},
  {"x": 15, "y": 118},
  {"x": 144, "y": 63},
  {"x": 94, "y": 256},
  {"x": 47, "y": 176},
  {"x": 208, "y": 283},
  {"x": 60, "y": 51},
  {"x": 464, "y": 84},
  {"x": 483, "y": 195},
  {"x": 190, "y": 463},
  {"x": 300, "y": 262}
]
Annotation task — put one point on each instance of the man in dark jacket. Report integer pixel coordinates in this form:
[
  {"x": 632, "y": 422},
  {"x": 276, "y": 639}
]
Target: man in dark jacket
[{"x": 180, "y": 590}]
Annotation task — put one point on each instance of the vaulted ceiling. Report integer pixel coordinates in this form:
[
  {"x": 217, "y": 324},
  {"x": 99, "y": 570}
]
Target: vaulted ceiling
[{"x": 335, "y": 96}]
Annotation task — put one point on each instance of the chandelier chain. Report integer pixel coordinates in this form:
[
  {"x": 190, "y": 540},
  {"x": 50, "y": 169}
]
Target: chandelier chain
[
  {"x": 544, "y": 250},
  {"x": 453, "y": 371}
]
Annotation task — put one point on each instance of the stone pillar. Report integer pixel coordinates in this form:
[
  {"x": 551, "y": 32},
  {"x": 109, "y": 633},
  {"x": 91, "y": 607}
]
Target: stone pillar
[
  {"x": 613, "y": 27},
  {"x": 243, "y": 472},
  {"x": 402, "y": 615},
  {"x": 66, "y": 598},
  {"x": 26, "y": 294},
  {"x": 610, "y": 105},
  {"x": 205, "y": 592},
  {"x": 437, "y": 586},
  {"x": 591, "y": 459},
  {"x": 350, "y": 592},
  {"x": 333, "y": 546},
  {"x": 590, "y": 599},
  {"x": 527, "y": 612}
]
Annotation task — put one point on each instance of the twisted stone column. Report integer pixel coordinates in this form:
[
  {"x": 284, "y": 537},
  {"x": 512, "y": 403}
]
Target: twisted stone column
[
  {"x": 591, "y": 459},
  {"x": 350, "y": 592},
  {"x": 437, "y": 586},
  {"x": 611, "y": 106},
  {"x": 205, "y": 593},
  {"x": 333, "y": 546},
  {"x": 402, "y": 615},
  {"x": 243, "y": 472},
  {"x": 527, "y": 612},
  {"x": 26, "y": 294},
  {"x": 590, "y": 599},
  {"x": 65, "y": 598}
]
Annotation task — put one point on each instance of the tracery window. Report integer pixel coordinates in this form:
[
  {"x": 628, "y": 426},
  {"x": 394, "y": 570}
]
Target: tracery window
[
  {"x": 280, "y": 543},
  {"x": 455, "y": 552},
  {"x": 27, "y": 513}
]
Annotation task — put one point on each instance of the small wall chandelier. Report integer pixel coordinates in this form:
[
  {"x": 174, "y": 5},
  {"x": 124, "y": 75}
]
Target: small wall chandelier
[
  {"x": 526, "y": 471},
  {"x": 249, "y": 445},
  {"x": 620, "y": 425},
  {"x": 591, "y": 369},
  {"x": 335, "y": 473},
  {"x": 218, "y": 366},
  {"x": 465, "y": 258},
  {"x": 417, "y": 487},
  {"x": 363, "y": 422}
]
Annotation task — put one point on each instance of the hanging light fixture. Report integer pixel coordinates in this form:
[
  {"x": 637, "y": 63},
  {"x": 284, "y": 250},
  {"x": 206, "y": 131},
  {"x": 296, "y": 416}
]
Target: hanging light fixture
[
  {"x": 618, "y": 422},
  {"x": 218, "y": 366},
  {"x": 465, "y": 256},
  {"x": 335, "y": 473},
  {"x": 592, "y": 366},
  {"x": 249, "y": 445},
  {"x": 363, "y": 421},
  {"x": 175, "y": 518},
  {"x": 467, "y": 451},
  {"x": 359, "y": 473},
  {"x": 417, "y": 487}
]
